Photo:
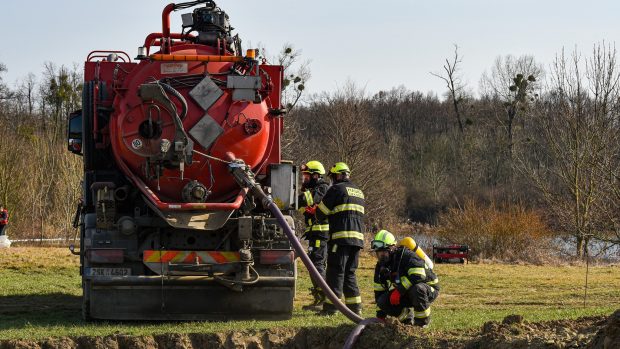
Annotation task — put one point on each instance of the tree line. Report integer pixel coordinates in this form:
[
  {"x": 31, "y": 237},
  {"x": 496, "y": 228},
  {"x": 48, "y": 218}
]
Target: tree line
[
  {"x": 542, "y": 138},
  {"x": 39, "y": 179}
]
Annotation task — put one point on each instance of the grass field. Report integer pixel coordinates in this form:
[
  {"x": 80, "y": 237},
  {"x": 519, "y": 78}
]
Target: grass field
[{"x": 40, "y": 297}]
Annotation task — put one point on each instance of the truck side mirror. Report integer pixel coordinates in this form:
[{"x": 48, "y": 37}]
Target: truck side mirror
[{"x": 74, "y": 132}]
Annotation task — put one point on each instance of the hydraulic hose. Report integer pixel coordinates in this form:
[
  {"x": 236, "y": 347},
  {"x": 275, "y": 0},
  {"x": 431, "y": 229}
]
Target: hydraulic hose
[
  {"x": 179, "y": 96},
  {"x": 357, "y": 331},
  {"x": 316, "y": 277},
  {"x": 314, "y": 274},
  {"x": 244, "y": 176}
]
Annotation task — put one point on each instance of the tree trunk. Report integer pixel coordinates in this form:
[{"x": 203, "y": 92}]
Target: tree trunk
[
  {"x": 511, "y": 116},
  {"x": 456, "y": 111},
  {"x": 580, "y": 246},
  {"x": 586, "y": 251}
]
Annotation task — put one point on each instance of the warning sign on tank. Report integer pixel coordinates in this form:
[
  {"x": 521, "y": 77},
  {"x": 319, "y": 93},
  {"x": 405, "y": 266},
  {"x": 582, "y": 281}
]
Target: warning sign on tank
[{"x": 174, "y": 68}]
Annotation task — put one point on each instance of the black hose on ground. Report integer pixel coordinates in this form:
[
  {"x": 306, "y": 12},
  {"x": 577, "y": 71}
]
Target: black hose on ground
[
  {"x": 314, "y": 274},
  {"x": 357, "y": 331},
  {"x": 244, "y": 176},
  {"x": 316, "y": 277}
]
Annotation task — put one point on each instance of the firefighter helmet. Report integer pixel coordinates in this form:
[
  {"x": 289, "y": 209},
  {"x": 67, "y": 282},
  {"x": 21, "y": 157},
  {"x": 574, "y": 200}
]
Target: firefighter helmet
[
  {"x": 313, "y": 167},
  {"x": 340, "y": 167},
  {"x": 383, "y": 240}
]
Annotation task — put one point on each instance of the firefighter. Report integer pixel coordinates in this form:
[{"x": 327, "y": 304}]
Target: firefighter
[
  {"x": 313, "y": 189},
  {"x": 4, "y": 219},
  {"x": 343, "y": 205},
  {"x": 404, "y": 285}
]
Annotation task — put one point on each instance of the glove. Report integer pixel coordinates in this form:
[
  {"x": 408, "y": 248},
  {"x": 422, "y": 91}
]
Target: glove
[
  {"x": 395, "y": 297},
  {"x": 384, "y": 273},
  {"x": 311, "y": 210}
]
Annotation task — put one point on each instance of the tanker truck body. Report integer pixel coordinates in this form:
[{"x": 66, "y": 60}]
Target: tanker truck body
[{"x": 167, "y": 233}]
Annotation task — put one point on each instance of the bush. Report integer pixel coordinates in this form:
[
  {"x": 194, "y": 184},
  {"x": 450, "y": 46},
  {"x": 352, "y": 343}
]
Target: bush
[{"x": 510, "y": 233}]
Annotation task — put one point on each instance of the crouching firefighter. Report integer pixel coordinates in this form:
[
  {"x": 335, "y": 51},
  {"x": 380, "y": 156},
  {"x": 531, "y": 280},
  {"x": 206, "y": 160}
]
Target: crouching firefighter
[
  {"x": 404, "y": 285},
  {"x": 314, "y": 188}
]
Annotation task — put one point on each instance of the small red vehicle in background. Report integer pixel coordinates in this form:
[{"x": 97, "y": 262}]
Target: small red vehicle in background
[{"x": 451, "y": 254}]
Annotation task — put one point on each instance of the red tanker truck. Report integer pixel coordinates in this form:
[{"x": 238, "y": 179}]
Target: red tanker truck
[{"x": 167, "y": 233}]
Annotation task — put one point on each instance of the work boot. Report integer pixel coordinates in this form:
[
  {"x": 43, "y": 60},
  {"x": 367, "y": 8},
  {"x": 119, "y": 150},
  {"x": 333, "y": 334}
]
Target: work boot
[
  {"x": 320, "y": 297},
  {"x": 406, "y": 316},
  {"x": 317, "y": 303},
  {"x": 328, "y": 310},
  {"x": 356, "y": 308},
  {"x": 424, "y": 323}
]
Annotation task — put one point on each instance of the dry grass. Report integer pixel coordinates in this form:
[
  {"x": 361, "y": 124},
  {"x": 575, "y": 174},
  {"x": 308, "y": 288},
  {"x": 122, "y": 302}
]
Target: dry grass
[
  {"x": 511, "y": 233},
  {"x": 40, "y": 297}
]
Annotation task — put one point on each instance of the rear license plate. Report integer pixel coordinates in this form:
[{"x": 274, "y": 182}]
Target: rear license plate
[{"x": 109, "y": 271}]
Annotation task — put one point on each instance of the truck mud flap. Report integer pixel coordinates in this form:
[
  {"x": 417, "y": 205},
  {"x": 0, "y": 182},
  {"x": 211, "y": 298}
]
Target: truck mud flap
[{"x": 189, "y": 298}]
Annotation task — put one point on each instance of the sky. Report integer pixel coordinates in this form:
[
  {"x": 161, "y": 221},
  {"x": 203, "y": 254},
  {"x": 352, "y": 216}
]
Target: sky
[{"x": 376, "y": 44}]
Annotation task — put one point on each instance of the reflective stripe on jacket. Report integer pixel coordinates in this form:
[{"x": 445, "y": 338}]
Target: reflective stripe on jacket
[
  {"x": 315, "y": 228},
  {"x": 408, "y": 269},
  {"x": 344, "y": 207}
]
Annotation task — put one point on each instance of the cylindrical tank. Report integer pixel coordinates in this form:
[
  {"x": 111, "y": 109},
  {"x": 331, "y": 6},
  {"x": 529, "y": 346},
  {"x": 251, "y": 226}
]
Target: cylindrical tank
[
  {"x": 243, "y": 128},
  {"x": 413, "y": 246}
]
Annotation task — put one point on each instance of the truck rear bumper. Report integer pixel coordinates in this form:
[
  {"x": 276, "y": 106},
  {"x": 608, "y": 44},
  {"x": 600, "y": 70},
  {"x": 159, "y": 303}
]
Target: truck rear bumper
[{"x": 187, "y": 298}]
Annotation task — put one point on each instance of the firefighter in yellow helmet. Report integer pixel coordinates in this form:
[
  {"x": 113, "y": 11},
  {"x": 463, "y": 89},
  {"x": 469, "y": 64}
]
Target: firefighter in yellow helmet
[
  {"x": 343, "y": 205},
  {"x": 404, "y": 284},
  {"x": 313, "y": 189}
]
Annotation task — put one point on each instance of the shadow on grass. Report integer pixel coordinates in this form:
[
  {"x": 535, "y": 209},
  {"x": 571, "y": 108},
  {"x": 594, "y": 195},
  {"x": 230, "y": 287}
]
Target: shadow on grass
[
  {"x": 18, "y": 312},
  {"x": 40, "y": 310}
]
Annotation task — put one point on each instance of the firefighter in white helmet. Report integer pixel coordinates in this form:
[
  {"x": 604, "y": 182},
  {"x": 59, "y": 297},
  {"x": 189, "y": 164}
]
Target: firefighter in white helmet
[{"x": 404, "y": 284}]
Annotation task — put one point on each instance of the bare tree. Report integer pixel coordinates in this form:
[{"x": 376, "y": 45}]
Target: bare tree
[
  {"x": 296, "y": 73},
  {"x": 61, "y": 92},
  {"x": 513, "y": 82},
  {"x": 454, "y": 84},
  {"x": 339, "y": 126},
  {"x": 577, "y": 123},
  {"x": 27, "y": 89}
]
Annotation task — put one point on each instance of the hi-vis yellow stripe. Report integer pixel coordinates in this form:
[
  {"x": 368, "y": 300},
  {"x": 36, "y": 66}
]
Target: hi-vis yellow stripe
[
  {"x": 347, "y": 235},
  {"x": 317, "y": 227},
  {"x": 405, "y": 282},
  {"x": 405, "y": 313},
  {"x": 417, "y": 271},
  {"x": 320, "y": 227},
  {"x": 309, "y": 200},
  {"x": 209, "y": 257},
  {"x": 378, "y": 287},
  {"x": 348, "y": 207},
  {"x": 433, "y": 282},
  {"x": 422, "y": 314},
  {"x": 324, "y": 208},
  {"x": 353, "y": 300}
]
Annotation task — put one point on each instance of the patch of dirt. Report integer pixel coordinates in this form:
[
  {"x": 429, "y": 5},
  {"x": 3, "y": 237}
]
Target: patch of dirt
[
  {"x": 608, "y": 336},
  {"x": 512, "y": 333},
  {"x": 515, "y": 333}
]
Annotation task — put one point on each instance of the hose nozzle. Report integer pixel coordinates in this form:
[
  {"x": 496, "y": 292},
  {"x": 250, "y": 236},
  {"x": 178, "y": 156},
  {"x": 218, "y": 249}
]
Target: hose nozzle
[{"x": 245, "y": 178}]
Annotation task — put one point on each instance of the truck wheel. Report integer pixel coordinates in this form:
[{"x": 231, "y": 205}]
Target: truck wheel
[{"x": 86, "y": 301}]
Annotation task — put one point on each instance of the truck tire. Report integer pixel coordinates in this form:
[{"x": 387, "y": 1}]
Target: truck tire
[{"x": 86, "y": 301}]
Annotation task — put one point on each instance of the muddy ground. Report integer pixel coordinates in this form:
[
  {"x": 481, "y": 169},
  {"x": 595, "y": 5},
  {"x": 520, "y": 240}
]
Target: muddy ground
[{"x": 591, "y": 332}]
